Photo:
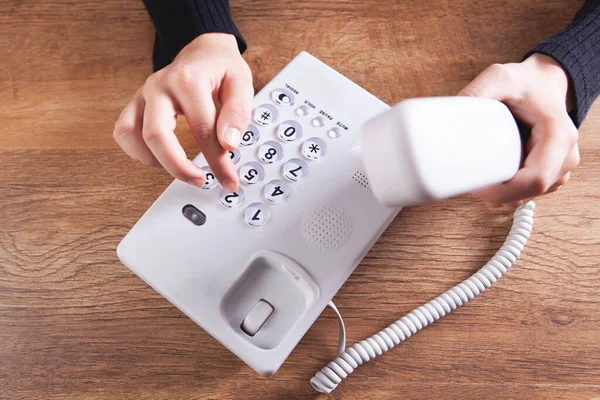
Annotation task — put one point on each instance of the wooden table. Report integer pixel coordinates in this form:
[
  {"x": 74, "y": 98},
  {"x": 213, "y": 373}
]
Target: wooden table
[{"x": 75, "y": 323}]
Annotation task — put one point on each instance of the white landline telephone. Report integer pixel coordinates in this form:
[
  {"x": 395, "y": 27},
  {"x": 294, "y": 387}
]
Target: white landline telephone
[{"x": 256, "y": 268}]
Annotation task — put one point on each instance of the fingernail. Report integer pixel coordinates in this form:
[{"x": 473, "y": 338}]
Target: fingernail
[
  {"x": 233, "y": 137},
  {"x": 229, "y": 186},
  {"x": 196, "y": 182}
]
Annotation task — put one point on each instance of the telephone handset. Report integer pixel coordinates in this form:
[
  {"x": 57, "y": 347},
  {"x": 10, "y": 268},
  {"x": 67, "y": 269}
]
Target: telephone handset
[{"x": 255, "y": 268}]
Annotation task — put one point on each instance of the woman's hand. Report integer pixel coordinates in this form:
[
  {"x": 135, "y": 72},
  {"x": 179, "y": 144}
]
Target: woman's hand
[
  {"x": 537, "y": 93},
  {"x": 211, "y": 84}
]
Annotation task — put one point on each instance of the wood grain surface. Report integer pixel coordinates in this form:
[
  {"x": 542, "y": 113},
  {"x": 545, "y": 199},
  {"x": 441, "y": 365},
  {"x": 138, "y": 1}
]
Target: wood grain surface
[{"x": 75, "y": 323}]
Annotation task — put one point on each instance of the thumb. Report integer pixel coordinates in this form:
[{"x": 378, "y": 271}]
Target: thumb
[
  {"x": 236, "y": 100},
  {"x": 495, "y": 82}
]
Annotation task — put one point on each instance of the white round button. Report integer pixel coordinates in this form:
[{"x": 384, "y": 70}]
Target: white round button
[
  {"x": 295, "y": 169},
  {"x": 302, "y": 111},
  {"x": 234, "y": 155},
  {"x": 251, "y": 173},
  {"x": 277, "y": 191},
  {"x": 270, "y": 152},
  {"x": 318, "y": 122},
  {"x": 266, "y": 114},
  {"x": 257, "y": 214},
  {"x": 289, "y": 131},
  {"x": 250, "y": 136},
  {"x": 282, "y": 97},
  {"x": 334, "y": 133},
  {"x": 314, "y": 148},
  {"x": 211, "y": 181},
  {"x": 231, "y": 200}
]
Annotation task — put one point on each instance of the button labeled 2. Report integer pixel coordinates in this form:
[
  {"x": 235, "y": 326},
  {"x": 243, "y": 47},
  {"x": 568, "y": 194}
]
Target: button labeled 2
[{"x": 231, "y": 200}]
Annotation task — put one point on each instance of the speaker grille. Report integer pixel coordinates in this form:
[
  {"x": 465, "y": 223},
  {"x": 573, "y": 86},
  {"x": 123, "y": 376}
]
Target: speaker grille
[
  {"x": 362, "y": 180},
  {"x": 327, "y": 228}
]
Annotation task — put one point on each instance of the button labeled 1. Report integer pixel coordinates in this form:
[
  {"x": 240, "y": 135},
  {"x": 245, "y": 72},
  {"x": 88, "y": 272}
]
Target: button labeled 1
[
  {"x": 295, "y": 169},
  {"x": 257, "y": 214},
  {"x": 277, "y": 191}
]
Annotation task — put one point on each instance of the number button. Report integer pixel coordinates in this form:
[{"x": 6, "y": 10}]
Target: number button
[
  {"x": 231, "y": 200},
  {"x": 211, "y": 181},
  {"x": 250, "y": 136},
  {"x": 270, "y": 152},
  {"x": 257, "y": 214},
  {"x": 251, "y": 173},
  {"x": 277, "y": 191},
  {"x": 289, "y": 131},
  {"x": 282, "y": 97},
  {"x": 295, "y": 169},
  {"x": 266, "y": 114},
  {"x": 314, "y": 148},
  {"x": 234, "y": 155}
]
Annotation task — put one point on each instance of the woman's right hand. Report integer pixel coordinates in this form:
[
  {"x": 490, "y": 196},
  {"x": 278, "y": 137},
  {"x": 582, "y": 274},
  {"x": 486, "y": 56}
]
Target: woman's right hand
[{"x": 211, "y": 85}]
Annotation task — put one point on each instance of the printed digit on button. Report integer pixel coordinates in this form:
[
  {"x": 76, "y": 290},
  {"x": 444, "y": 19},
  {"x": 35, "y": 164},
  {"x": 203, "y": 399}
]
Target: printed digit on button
[
  {"x": 270, "y": 152},
  {"x": 289, "y": 131},
  {"x": 257, "y": 214},
  {"x": 251, "y": 173},
  {"x": 314, "y": 148},
  {"x": 277, "y": 191},
  {"x": 295, "y": 169},
  {"x": 250, "y": 136},
  {"x": 211, "y": 181},
  {"x": 265, "y": 114},
  {"x": 234, "y": 156},
  {"x": 231, "y": 200}
]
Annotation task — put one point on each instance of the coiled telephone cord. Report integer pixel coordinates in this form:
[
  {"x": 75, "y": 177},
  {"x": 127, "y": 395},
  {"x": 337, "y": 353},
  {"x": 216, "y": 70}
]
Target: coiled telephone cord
[{"x": 330, "y": 376}]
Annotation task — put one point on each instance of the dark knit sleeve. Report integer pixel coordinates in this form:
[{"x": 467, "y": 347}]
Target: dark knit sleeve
[
  {"x": 577, "y": 49},
  {"x": 178, "y": 22}
]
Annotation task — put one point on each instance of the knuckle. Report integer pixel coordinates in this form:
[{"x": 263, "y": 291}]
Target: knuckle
[
  {"x": 203, "y": 131},
  {"x": 541, "y": 183},
  {"x": 151, "y": 135},
  {"x": 185, "y": 76},
  {"x": 123, "y": 129}
]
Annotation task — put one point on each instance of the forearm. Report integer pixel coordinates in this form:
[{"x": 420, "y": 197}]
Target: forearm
[
  {"x": 178, "y": 22},
  {"x": 577, "y": 49}
]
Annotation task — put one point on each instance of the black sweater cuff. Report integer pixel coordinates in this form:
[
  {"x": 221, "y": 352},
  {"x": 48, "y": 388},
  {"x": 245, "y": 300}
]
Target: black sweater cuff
[
  {"x": 178, "y": 22},
  {"x": 577, "y": 49}
]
